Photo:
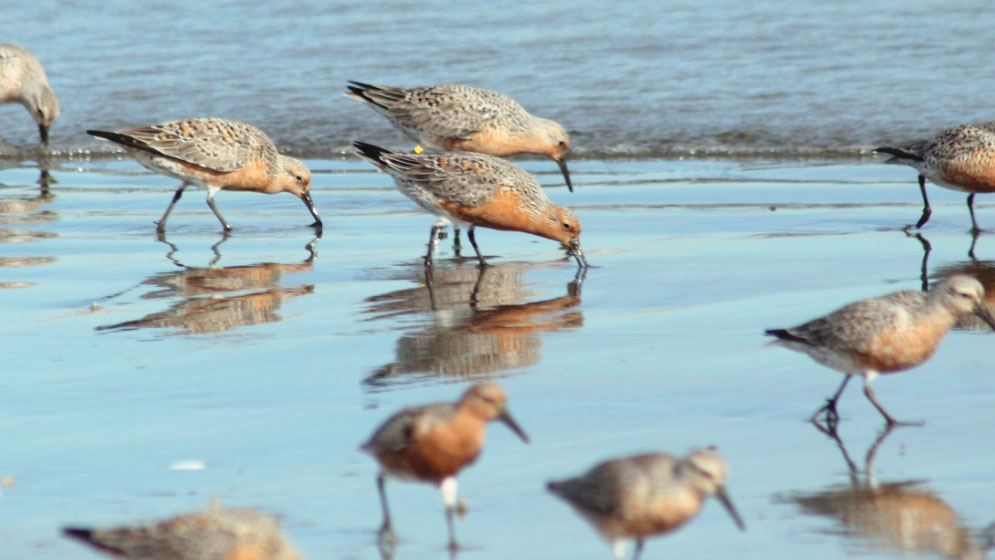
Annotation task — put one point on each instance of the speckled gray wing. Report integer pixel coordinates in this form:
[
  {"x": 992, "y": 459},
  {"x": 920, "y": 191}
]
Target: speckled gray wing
[
  {"x": 464, "y": 178},
  {"x": 217, "y": 144},
  {"x": 398, "y": 431},
  {"x": 204, "y": 536},
  {"x": 449, "y": 111},
  {"x": 850, "y": 327},
  {"x": 599, "y": 491},
  {"x": 957, "y": 141}
]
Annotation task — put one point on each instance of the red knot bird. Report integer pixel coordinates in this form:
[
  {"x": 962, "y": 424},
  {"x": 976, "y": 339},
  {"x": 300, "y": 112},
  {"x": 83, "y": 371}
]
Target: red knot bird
[
  {"x": 645, "y": 495},
  {"x": 23, "y": 80},
  {"x": 885, "y": 334},
  {"x": 477, "y": 190},
  {"x": 961, "y": 158},
  {"x": 467, "y": 119},
  {"x": 218, "y": 154},
  {"x": 433, "y": 443},
  {"x": 215, "y": 534}
]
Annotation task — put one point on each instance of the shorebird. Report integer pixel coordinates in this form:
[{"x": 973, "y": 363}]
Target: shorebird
[
  {"x": 469, "y": 119},
  {"x": 214, "y": 534},
  {"x": 23, "y": 80},
  {"x": 961, "y": 158},
  {"x": 477, "y": 190},
  {"x": 645, "y": 495},
  {"x": 218, "y": 154},
  {"x": 885, "y": 334},
  {"x": 433, "y": 443}
]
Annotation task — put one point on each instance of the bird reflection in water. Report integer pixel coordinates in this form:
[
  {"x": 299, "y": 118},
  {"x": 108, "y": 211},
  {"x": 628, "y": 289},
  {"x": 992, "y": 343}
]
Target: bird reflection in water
[
  {"x": 216, "y": 299},
  {"x": 476, "y": 323},
  {"x": 894, "y": 517},
  {"x": 16, "y": 211},
  {"x": 984, "y": 271}
]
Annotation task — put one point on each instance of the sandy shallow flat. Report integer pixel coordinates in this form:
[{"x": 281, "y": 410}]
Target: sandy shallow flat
[{"x": 127, "y": 359}]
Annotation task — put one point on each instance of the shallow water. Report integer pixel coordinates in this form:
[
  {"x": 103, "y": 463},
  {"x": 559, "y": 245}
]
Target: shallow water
[
  {"x": 639, "y": 78},
  {"x": 126, "y": 355}
]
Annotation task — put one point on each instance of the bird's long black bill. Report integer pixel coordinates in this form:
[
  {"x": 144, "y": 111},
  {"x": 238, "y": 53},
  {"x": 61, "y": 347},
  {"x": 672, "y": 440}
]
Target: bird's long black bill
[
  {"x": 510, "y": 422},
  {"x": 43, "y": 132},
  {"x": 562, "y": 162},
  {"x": 578, "y": 254},
  {"x": 986, "y": 316},
  {"x": 306, "y": 197},
  {"x": 724, "y": 498}
]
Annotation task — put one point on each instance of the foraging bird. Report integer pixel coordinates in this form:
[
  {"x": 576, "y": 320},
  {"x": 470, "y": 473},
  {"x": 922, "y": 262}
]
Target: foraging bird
[
  {"x": 23, "y": 80},
  {"x": 467, "y": 119},
  {"x": 478, "y": 190},
  {"x": 961, "y": 158},
  {"x": 214, "y": 534},
  {"x": 884, "y": 334},
  {"x": 218, "y": 154},
  {"x": 645, "y": 495},
  {"x": 433, "y": 443}
]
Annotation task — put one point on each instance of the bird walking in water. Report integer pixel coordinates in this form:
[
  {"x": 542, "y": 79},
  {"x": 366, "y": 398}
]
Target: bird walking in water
[
  {"x": 214, "y": 534},
  {"x": 961, "y": 158},
  {"x": 218, "y": 154},
  {"x": 467, "y": 119},
  {"x": 632, "y": 498},
  {"x": 477, "y": 190},
  {"x": 23, "y": 80},
  {"x": 884, "y": 334},
  {"x": 433, "y": 443}
]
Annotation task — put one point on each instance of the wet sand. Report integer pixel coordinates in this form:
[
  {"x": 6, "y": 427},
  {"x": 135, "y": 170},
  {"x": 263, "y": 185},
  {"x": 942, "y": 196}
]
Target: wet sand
[{"x": 270, "y": 363}]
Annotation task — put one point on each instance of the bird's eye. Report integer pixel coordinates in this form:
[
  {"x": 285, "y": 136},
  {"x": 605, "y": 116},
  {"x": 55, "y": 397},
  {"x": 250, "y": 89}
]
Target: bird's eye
[
  {"x": 567, "y": 226},
  {"x": 300, "y": 178},
  {"x": 562, "y": 143}
]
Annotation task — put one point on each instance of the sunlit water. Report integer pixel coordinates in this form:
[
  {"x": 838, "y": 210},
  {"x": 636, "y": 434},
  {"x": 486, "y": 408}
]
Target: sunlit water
[
  {"x": 266, "y": 357},
  {"x": 125, "y": 355},
  {"x": 625, "y": 78}
]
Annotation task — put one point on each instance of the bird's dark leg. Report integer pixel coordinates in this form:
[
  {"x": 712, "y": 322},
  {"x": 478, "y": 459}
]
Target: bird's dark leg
[
  {"x": 832, "y": 417},
  {"x": 450, "y": 497},
  {"x": 869, "y": 393},
  {"x": 473, "y": 241},
  {"x": 639, "y": 549},
  {"x": 386, "y": 532},
  {"x": 970, "y": 208},
  {"x": 927, "y": 211},
  {"x": 161, "y": 224},
  {"x": 453, "y": 545},
  {"x": 431, "y": 243},
  {"x": 456, "y": 242},
  {"x": 210, "y": 202}
]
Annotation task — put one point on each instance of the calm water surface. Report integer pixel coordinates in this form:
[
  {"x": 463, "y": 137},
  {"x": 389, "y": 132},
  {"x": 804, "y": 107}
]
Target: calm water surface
[
  {"x": 269, "y": 355},
  {"x": 267, "y": 363},
  {"x": 626, "y": 78}
]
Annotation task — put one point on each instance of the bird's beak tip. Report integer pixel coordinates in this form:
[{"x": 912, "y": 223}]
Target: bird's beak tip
[{"x": 510, "y": 422}]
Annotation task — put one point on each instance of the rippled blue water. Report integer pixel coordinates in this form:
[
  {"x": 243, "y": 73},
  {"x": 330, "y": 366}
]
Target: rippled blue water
[
  {"x": 629, "y": 78},
  {"x": 122, "y": 355}
]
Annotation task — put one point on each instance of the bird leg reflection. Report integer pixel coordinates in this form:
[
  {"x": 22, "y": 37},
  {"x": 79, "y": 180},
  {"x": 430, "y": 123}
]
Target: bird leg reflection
[
  {"x": 923, "y": 268},
  {"x": 926, "y": 209},
  {"x": 975, "y": 233},
  {"x": 868, "y": 456},
  {"x": 216, "y": 248},
  {"x": 44, "y": 180}
]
